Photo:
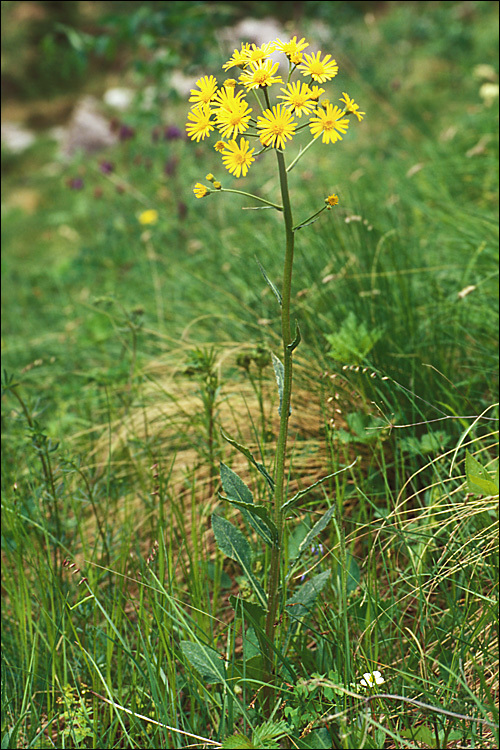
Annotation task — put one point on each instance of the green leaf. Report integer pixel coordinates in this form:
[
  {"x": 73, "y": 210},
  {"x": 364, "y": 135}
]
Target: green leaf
[
  {"x": 479, "y": 480},
  {"x": 298, "y": 338},
  {"x": 266, "y": 734},
  {"x": 279, "y": 371},
  {"x": 239, "y": 495},
  {"x": 300, "y": 603},
  {"x": 234, "y": 487},
  {"x": 205, "y": 660},
  {"x": 269, "y": 282},
  {"x": 293, "y": 500},
  {"x": 259, "y": 519},
  {"x": 232, "y": 543},
  {"x": 238, "y": 742},
  {"x": 246, "y": 452},
  {"x": 316, "y": 529},
  {"x": 319, "y": 739}
]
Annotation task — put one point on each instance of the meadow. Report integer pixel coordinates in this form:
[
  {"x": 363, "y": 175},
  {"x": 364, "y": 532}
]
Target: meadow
[{"x": 137, "y": 333}]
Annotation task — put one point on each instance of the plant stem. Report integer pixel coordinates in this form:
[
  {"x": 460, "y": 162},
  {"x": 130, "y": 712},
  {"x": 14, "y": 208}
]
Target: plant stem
[{"x": 276, "y": 551}]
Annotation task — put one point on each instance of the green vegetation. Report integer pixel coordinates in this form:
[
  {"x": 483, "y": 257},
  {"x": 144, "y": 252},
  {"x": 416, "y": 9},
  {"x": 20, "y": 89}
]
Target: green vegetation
[{"x": 127, "y": 346}]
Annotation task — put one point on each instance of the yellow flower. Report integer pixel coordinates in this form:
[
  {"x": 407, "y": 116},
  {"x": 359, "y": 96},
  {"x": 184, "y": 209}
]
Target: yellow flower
[
  {"x": 239, "y": 58},
  {"x": 220, "y": 146},
  {"x": 258, "y": 54},
  {"x": 208, "y": 87},
  {"x": 200, "y": 190},
  {"x": 316, "y": 92},
  {"x": 276, "y": 125},
  {"x": 230, "y": 83},
  {"x": 236, "y": 158},
  {"x": 319, "y": 70},
  {"x": 329, "y": 121},
  {"x": 291, "y": 48},
  {"x": 232, "y": 121},
  {"x": 148, "y": 217},
  {"x": 351, "y": 107},
  {"x": 332, "y": 200},
  {"x": 260, "y": 74},
  {"x": 297, "y": 98},
  {"x": 201, "y": 124}
]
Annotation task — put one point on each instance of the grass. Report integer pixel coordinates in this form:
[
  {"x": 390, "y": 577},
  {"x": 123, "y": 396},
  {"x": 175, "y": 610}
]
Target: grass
[{"x": 127, "y": 347}]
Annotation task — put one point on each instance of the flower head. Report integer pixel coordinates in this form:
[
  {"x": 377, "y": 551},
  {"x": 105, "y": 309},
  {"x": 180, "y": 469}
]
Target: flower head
[
  {"x": 239, "y": 58},
  {"x": 276, "y": 126},
  {"x": 220, "y": 146},
  {"x": 201, "y": 124},
  {"x": 258, "y": 54},
  {"x": 297, "y": 98},
  {"x": 291, "y": 48},
  {"x": 200, "y": 190},
  {"x": 372, "y": 679},
  {"x": 148, "y": 217},
  {"x": 208, "y": 87},
  {"x": 232, "y": 117},
  {"x": 331, "y": 200},
  {"x": 351, "y": 107},
  {"x": 319, "y": 70},
  {"x": 330, "y": 121},
  {"x": 260, "y": 74},
  {"x": 237, "y": 158}
]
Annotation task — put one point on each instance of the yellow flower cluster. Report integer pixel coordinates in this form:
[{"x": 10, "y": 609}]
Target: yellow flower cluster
[{"x": 225, "y": 109}]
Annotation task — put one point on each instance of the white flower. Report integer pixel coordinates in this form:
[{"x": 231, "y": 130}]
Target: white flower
[{"x": 371, "y": 679}]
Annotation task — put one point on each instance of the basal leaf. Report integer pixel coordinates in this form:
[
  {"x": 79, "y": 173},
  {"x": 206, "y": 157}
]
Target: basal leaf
[
  {"x": 300, "y": 603},
  {"x": 316, "y": 529},
  {"x": 205, "y": 660}
]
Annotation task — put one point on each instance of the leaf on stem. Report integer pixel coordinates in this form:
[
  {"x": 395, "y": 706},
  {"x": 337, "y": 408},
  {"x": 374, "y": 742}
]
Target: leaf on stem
[
  {"x": 233, "y": 544},
  {"x": 290, "y": 503},
  {"x": 273, "y": 288},
  {"x": 247, "y": 454}
]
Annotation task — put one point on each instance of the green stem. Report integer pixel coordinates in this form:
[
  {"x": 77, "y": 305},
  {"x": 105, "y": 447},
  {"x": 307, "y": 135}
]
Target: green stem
[
  {"x": 276, "y": 551},
  {"x": 250, "y": 195}
]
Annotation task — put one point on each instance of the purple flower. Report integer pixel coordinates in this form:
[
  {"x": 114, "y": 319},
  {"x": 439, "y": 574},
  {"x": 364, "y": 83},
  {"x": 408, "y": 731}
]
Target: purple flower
[
  {"x": 125, "y": 132},
  {"x": 106, "y": 167},
  {"x": 75, "y": 183},
  {"x": 172, "y": 133},
  {"x": 170, "y": 167}
]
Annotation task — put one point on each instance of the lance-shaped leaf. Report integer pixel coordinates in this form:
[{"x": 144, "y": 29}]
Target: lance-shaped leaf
[
  {"x": 204, "y": 659},
  {"x": 239, "y": 494},
  {"x": 246, "y": 452},
  {"x": 269, "y": 282},
  {"x": 232, "y": 543},
  {"x": 316, "y": 529},
  {"x": 301, "y": 602},
  {"x": 291, "y": 502}
]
